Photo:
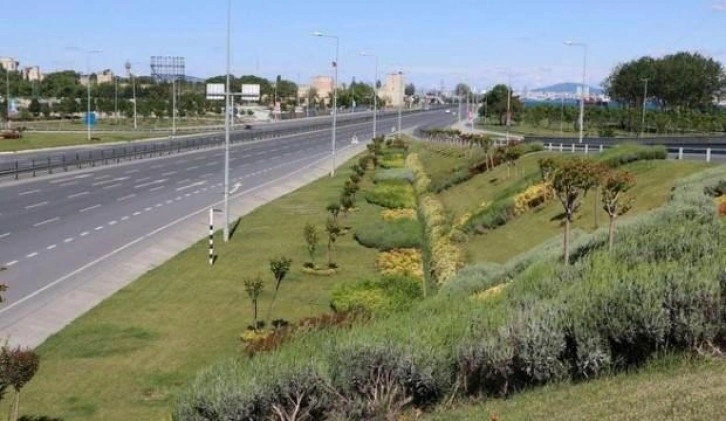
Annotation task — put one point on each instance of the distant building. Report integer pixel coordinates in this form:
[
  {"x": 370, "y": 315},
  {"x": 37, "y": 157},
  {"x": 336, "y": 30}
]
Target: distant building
[
  {"x": 392, "y": 90},
  {"x": 9, "y": 64},
  {"x": 302, "y": 93},
  {"x": 32, "y": 74},
  {"x": 323, "y": 86},
  {"x": 105, "y": 76}
]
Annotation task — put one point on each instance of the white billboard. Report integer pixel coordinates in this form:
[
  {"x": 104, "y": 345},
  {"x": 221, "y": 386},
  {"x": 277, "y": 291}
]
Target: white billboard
[
  {"x": 250, "y": 92},
  {"x": 215, "y": 90}
]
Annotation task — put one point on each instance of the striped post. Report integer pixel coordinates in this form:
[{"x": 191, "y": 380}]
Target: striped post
[
  {"x": 601, "y": 148},
  {"x": 586, "y": 148},
  {"x": 708, "y": 154},
  {"x": 211, "y": 236}
]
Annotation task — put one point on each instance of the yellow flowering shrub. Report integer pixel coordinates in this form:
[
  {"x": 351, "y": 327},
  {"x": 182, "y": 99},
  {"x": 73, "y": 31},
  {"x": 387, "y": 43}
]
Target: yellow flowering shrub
[
  {"x": 401, "y": 262},
  {"x": 721, "y": 203},
  {"x": 532, "y": 197},
  {"x": 421, "y": 185},
  {"x": 490, "y": 292},
  {"x": 254, "y": 335},
  {"x": 393, "y": 214},
  {"x": 461, "y": 220}
]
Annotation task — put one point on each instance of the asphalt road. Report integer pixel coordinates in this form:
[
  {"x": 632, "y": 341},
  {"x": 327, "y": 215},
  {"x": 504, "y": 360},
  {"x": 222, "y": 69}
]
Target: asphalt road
[{"x": 52, "y": 226}]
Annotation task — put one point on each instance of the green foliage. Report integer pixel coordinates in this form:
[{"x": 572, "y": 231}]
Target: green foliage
[
  {"x": 497, "y": 104},
  {"x": 388, "y": 235},
  {"x": 312, "y": 238},
  {"x": 491, "y": 217},
  {"x": 393, "y": 175},
  {"x": 625, "y": 154},
  {"x": 391, "y": 195},
  {"x": 254, "y": 288},
  {"x": 380, "y": 295}
]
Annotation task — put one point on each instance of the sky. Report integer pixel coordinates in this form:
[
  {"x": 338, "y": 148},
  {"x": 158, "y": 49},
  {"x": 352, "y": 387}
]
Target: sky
[{"x": 434, "y": 42}]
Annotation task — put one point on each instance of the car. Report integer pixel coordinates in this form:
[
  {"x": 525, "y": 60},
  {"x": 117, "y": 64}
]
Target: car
[{"x": 447, "y": 111}]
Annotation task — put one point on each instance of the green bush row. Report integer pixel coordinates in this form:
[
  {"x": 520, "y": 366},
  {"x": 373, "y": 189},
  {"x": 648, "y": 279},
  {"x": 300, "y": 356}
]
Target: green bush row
[
  {"x": 625, "y": 154},
  {"x": 388, "y": 235},
  {"x": 393, "y": 174},
  {"x": 382, "y": 295},
  {"x": 392, "y": 196}
]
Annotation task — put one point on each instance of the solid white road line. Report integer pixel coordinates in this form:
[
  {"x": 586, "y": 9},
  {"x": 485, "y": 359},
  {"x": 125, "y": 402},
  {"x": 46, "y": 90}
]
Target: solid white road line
[
  {"x": 47, "y": 221},
  {"x": 89, "y": 208},
  {"x": 198, "y": 183},
  {"x": 72, "y": 196},
  {"x": 36, "y": 205}
]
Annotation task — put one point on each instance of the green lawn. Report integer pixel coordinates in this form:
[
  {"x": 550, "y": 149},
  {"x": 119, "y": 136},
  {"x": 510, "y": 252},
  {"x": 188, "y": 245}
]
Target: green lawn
[
  {"x": 669, "y": 389},
  {"x": 654, "y": 181},
  {"x": 120, "y": 124},
  {"x": 38, "y": 140},
  {"x": 440, "y": 160},
  {"x": 126, "y": 358}
]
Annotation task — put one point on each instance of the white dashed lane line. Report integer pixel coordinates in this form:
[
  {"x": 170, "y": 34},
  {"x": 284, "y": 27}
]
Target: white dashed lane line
[
  {"x": 193, "y": 168},
  {"x": 121, "y": 199},
  {"x": 136, "y": 213},
  {"x": 72, "y": 183},
  {"x": 112, "y": 223},
  {"x": 10, "y": 263},
  {"x": 4, "y": 235},
  {"x": 112, "y": 186},
  {"x": 84, "y": 233},
  {"x": 31, "y": 255},
  {"x": 73, "y": 196},
  {"x": 130, "y": 171},
  {"x": 125, "y": 218},
  {"x": 28, "y": 192},
  {"x": 89, "y": 208},
  {"x": 168, "y": 173},
  {"x": 98, "y": 228},
  {"x": 150, "y": 183},
  {"x": 36, "y": 205},
  {"x": 68, "y": 240},
  {"x": 47, "y": 221},
  {"x": 157, "y": 188},
  {"x": 51, "y": 247}
]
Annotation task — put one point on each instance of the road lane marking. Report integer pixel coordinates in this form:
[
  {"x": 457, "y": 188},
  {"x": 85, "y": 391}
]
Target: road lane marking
[
  {"x": 112, "y": 186},
  {"x": 183, "y": 181},
  {"x": 51, "y": 247},
  {"x": 89, "y": 208},
  {"x": 142, "y": 179},
  {"x": 112, "y": 223},
  {"x": 209, "y": 174},
  {"x": 168, "y": 173},
  {"x": 47, "y": 221},
  {"x": 63, "y": 180},
  {"x": 68, "y": 240},
  {"x": 72, "y": 183},
  {"x": 101, "y": 183},
  {"x": 156, "y": 188},
  {"x": 36, "y": 205},
  {"x": 169, "y": 202},
  {"x": 193, "y": 168},
  {"x": 136, "y": 213},
  {"x": 150, "y": 183},
  {"x": 10, "y": 263},
  {"x": 157, "y": 166},
  {"x": 4, "y": 235},
  {"x": 148, "y": 209},
  {"x": 121, "y": 199},
  {"x": 99, "y": 228},
  {"x": 178, "y": 198},
  {"x": 101, "y": 177},
  {"x": 31, "y": 255},
  {"x": 84, "y": 233},
  {"x": 130, "y": 171},
  {"x": 198, "y": 183},
  {"x": 125, "y": 218},
  {"x": 72, "y": 196},
  {"x": 28, "y": 192},
  {"x": 158, "y": 205}
]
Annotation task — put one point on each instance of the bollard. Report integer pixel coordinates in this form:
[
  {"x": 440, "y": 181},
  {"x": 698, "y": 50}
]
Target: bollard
[
  {"x": 65, "y": 168},
  {"x": 573, "y": 148},
  {"x": 680, "y": 154},
  {"x": 549, "y": 148},
  {"x": 78, "y": 161},
  {"x": 561, "y": 147},
  {"x": 586, "y": 148},
  {"x": 211, "y": 236},
  {"x": 600, "y": 149},
  {"x": 708, "y": 154}
]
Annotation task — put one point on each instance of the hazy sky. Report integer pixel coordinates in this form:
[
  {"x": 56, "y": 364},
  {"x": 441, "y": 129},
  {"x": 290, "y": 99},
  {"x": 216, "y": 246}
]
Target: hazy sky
[{"x": 479, "y": 41}]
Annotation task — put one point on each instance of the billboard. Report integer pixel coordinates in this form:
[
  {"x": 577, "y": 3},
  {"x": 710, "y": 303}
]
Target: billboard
[
  {"x": 215, "y": 91},
  {"x": 250, "y": 92}
]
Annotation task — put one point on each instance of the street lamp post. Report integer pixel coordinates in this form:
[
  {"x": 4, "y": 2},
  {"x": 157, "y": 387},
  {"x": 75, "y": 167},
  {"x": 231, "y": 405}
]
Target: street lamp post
[
  {"x": 127, "y": 65},
  {"x": 645, "y": 95},
  {"x": 115, "y": 100},
  {"x": 7, "y": 95},
  {"x": 400, "y": 107},
  {"x": 226, "y": 124},
  {"x": 335, "y": 94},
  {"x": 375, "y": 94},
  {"x": 584, "y": 80},
  {"x": 88, "y": 99}
]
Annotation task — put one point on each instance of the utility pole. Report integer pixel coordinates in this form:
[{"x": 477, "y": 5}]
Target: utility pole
[
  {"x": 7, "y": 95},
  {"x": 645, "y": 96},
  {"x": 584, "y": 81},
  {"x": 335, "y": 94},
  {"x": 115, "y": 100},
  {"x": 226, "y": 124},
  {"x": 400, "y": 107},
  {"x": 173, "y": 106}
]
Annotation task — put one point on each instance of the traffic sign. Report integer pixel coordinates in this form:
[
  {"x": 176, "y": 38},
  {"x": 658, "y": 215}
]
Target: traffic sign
[{"x": 89, "y": 119}]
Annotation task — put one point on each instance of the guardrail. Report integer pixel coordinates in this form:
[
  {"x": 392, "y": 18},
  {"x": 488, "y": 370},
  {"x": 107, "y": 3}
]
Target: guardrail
[{"x": 113, "y": 154}]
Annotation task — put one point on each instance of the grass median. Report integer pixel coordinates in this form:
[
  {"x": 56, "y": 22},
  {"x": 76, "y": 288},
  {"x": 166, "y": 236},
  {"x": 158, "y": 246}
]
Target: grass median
[
  {"x": 127, "y": 358},
  {"x": 39, "y": 140}
]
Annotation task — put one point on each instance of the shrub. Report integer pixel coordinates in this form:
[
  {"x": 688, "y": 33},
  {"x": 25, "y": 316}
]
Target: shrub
[
  {"x": 387, "y": 235},
  {"x": 391, "y": 195},
  {"x": 395, "y": 160},
  {"x": 393, "y": 175},
  {"x": 491, "y": 217},
  {"x": 625, "y": 154},
  {"x": 401, "y": 262},
  {"x": 381, "y": 295},
  {"x": 394, "y": 214},
  {"x": 722, "y": 205},
  {"x": 717, "y": 190},
  {"x": 459, "y": 176},
  {"x": 472, "y": 279},
  {"x": 534, "y": 196}
]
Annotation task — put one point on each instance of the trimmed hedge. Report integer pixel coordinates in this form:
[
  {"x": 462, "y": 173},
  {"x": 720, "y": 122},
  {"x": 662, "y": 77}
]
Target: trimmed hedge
[
  {"x": 380, "y": 295},
  {"x": 394, "y": 175},
  {"x": 625, "y": 154},
  {"x": 388, "y": 235},
  {"x": 391, "y": 195}
]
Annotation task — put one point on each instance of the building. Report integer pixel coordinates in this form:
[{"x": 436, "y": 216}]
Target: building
[
  {"x": 323, "y": 86},
  {"x": 392, "y": 90},
  {"x": 32, "y": 74},
  {"x": 9, "y": 64},
  {"x": 105, "y": 76}
]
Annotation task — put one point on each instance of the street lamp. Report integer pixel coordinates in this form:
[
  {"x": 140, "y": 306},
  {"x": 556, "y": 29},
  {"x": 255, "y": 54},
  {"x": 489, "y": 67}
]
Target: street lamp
[
  {"x": 127, "y": 65},
  {"x": 645, "y": 95},
  {"x": 7, "y": 93},
  {"x": 375, "y": 94},
  {"x": 335, "y": 94},
  {"x": 400, "y": 106},
  {"x": 88, "y": 100},
  {"x": 226, "y": 124},
  {"x": 584, "y": 75}
]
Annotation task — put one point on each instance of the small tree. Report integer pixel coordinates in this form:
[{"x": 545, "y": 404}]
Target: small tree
[
  {"x": 334, "y": 209},
  {"x": 333, "y": 230},
  {"x": 511, "y": 155},
  {"x": 547, "y": 167},
  {"x": 279, "y": 268},
  {"x": 350, "y": 188},
  {"x": 346, "y": 202},
  {"x": 254, "y": 288},
  {"x": 615, "y": 185},
  {"x": 569, "y": 181},
  {"x": 310, "y": 233},
  {"x": 17, "y": 368},
  {"x": 34, "y": 107}
]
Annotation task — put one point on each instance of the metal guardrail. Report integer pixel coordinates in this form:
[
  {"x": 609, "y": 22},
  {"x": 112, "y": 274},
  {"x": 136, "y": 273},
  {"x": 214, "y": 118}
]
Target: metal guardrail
[{"x": 92, "y": 157}]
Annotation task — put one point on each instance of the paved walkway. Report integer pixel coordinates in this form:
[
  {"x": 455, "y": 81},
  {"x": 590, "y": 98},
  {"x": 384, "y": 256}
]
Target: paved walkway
[{"x": 464, "y": 127}]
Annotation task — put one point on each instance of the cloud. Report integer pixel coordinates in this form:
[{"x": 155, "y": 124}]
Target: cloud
[{"x": 719, "y": 6}]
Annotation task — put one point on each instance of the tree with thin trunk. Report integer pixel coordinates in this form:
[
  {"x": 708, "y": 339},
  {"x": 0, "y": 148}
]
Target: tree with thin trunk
[
  {"x": 253, "y": 288},
  {"x": 17, "y": 368},
  {"x": 569, "y": 181},
  {"x": 547, "y": 168},
  {"x": 614, "y": 187},
  {"x": 511, "y": 155},
  {"x": 279, "y": 268},
  {"x": 310, "y": 233},
  {"x": 333, "y": 230},
  {"x": 334, "y": 209},
  {"x": 593, "y": 178}
]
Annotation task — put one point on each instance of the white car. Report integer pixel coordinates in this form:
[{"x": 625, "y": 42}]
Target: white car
[{"x": 447, "y": 111}]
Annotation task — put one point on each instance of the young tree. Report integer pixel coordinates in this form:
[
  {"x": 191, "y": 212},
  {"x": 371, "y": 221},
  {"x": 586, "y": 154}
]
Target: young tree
[
  {"x": 346, "y": 202},
  {"x": 254, "y": 288},
  {"x": 34, "y": 107},
  {"x": 547, "y": 167},
  {"x": 310, "y": 232},
  {"x": 17, "y": 368},
  {"x": 350, "y": 188},
  {"x": 511, "y": 155},
  {"x": 279, "y": 268},
  {"x": 569, "y": 181},
  {"x": 334, "y": 209},
  {"x": 333, "y": 230},
  {"x": 615, "y": 185}
]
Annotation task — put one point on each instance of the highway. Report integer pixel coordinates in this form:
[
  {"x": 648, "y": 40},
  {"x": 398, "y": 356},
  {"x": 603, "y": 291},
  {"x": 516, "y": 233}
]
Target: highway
[{"x": 52, "y": 227}]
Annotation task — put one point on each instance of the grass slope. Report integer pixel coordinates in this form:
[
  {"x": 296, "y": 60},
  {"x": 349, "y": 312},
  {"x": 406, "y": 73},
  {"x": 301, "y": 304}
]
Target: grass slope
[
  {"x": 127, "y": 357},
  {"x": 37, "y": 140},
  {"x": 674, "y": 389}
]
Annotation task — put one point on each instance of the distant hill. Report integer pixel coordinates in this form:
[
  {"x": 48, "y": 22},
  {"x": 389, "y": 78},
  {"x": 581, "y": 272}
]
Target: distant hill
[{"x": 568, "y": 87}]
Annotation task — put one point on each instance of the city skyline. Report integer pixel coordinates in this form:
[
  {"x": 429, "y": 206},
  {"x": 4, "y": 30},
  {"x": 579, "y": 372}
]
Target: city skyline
[{"x": 431, "y": 43}]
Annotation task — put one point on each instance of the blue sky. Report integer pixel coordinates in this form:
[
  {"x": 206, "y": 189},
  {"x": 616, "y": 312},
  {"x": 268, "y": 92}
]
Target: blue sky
[{"x": 481, "y": 42}]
